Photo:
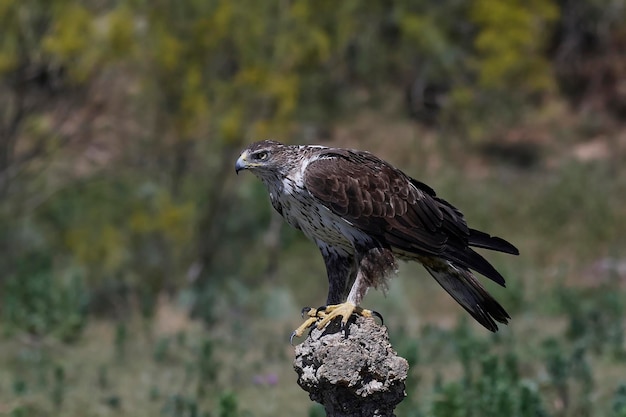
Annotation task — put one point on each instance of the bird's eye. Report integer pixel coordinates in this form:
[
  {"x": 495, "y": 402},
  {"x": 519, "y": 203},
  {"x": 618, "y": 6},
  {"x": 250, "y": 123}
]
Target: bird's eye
[{"x": 262, "y": 156}]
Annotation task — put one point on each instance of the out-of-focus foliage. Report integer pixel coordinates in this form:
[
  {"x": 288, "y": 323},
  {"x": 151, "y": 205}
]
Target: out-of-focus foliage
[
  {"x": 29, "y": 305},
  {"x": 121, "y": 119},
  {"x": 510, "y": 41},
  {"x": 120, "y": 122}
]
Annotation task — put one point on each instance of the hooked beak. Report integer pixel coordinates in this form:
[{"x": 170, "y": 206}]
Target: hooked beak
[{"x": 241, "y": 163}]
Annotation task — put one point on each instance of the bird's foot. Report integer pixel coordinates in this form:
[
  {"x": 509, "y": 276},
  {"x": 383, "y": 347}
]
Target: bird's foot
[
  {"x": 345, "y": 311},
  {"x": 312, "y": 317},
  {"x": 325, "y": 314}
]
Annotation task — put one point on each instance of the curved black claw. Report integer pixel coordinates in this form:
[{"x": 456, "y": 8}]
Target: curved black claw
[
  {"x": 291, "y": 338},
  {"x": 320, "y": 309},
  {"x": 377, "y": 314},
  {"x": 304, "y": 311},
  {"x": 345, "y": 327}
]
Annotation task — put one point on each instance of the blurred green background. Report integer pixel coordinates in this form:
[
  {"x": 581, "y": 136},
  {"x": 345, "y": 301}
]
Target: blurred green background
[{"x": 141, "y": 277}]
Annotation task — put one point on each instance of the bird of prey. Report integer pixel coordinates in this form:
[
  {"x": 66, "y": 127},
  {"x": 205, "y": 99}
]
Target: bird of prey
[{"x": 364, "y": 215}]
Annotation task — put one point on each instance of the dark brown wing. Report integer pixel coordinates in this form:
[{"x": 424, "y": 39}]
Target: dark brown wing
[
  {"x": 379, "y": 199},
  {"x": 397, "y": 210}
]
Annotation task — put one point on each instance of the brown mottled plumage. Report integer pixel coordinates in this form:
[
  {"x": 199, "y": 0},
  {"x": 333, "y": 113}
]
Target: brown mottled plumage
[{"x": 363, "y": 214}]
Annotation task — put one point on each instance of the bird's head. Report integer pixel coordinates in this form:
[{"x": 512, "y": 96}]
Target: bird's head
[{"x": 266, "y": 159}]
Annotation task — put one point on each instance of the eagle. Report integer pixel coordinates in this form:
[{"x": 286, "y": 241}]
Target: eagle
[{"x": 364, "y": 215}]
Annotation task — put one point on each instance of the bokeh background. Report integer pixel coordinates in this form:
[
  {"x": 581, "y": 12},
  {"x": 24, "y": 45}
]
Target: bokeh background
[{"x": 140, "y": 277}]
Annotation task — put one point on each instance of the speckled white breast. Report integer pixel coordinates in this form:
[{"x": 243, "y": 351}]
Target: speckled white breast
[{"x": 317, "y": 222}]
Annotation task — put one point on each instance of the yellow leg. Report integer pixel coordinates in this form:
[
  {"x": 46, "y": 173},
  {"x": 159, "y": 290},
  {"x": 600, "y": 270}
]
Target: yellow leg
[
  {"x": 344, "y": 310},
  {"x": 324, "y": 315},
  {"x": 312, "y": 318}
]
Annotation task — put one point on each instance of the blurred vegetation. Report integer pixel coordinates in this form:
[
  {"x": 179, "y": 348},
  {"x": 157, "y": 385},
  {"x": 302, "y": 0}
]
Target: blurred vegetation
[{"x": 136, "y": 271}]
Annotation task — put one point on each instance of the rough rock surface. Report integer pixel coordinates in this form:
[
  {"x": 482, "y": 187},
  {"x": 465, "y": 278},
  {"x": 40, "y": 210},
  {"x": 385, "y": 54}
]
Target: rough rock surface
[{"x": 357, "y": 376}]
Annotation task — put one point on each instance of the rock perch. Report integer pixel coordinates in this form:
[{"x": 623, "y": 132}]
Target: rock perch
[{"x": 357, "y": 376}]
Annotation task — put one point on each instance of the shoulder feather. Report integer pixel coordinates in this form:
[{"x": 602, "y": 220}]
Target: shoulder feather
[
  {"x": 381, "y": 200},
  {"x": 397, "y": 210}
]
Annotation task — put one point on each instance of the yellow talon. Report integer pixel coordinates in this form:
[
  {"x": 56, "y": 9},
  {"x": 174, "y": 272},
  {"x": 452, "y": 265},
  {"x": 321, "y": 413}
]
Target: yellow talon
[
  {"x": 300, "y": 330},
  {"x": 344, "y": 310},
  {"x": 324, "y": 315},
  {"x": 313, "y": 315}
]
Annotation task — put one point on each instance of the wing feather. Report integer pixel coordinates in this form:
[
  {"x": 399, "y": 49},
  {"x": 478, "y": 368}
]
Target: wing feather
[
  {"x": 381, "y": 200},
  {"x": 397, "y": 210}
]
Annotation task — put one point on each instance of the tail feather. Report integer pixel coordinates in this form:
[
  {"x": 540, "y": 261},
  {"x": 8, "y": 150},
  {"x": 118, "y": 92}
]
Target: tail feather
[
  {"x": 483, "y": 240},
  {"x": 469, "y": 293},
  {"x": 473, "y": 260}
]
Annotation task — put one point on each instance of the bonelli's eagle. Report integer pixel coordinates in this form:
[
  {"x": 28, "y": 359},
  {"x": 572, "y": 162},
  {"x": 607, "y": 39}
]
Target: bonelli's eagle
[{"x": 364, "y": 214}]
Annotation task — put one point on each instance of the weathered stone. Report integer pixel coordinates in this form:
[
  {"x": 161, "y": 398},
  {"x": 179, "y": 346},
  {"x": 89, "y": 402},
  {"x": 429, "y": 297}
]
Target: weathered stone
[{"x": 357, "y": 376}]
